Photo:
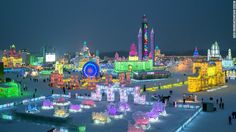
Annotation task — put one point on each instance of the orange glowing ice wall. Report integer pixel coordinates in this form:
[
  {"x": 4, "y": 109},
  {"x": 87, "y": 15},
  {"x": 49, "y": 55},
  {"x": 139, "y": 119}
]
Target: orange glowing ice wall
[
  {"x": 56, "y": 80},
  {"x": 91, "y": 82},
  {"x": 74, "y": 83}
]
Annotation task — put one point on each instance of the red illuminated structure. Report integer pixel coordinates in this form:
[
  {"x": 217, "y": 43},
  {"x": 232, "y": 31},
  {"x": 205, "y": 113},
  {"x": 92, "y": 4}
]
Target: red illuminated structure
[
  {"x": 124, "y": 79},
  {"x": 128, "y": 80},
  {"x": 108, "y": 79},
  {"x": 56, "y": 80},
  {"x": 92, "y": 81},
  {"x": 74, "y": 83}
]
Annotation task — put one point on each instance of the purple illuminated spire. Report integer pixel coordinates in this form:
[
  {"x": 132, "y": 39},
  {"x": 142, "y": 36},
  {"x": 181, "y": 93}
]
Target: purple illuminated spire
[
  {"x": 152, "y": 43},
  {"x": 144, "y": 18},
  {"x": 140, "y": 44}
]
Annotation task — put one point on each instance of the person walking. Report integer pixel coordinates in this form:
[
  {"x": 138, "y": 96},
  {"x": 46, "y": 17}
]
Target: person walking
[
  {"x": 64, "y": 90},
  {"x": 230, "y": 120}
]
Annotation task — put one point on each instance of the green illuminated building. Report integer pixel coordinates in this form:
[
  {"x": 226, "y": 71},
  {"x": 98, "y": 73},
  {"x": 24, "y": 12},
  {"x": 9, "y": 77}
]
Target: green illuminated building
[
  {"x": 36, "y": 60},
  {"x": 139, "y": 65},
  {"x": 9, "y": 89}
]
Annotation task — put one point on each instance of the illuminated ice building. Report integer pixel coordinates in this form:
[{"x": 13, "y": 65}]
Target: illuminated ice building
[
  {"x": 146, "y": 41},
  {"x": 214, "y": 52},
  {"x": 228, "y": 62},
  {"x": 12, "y": 58},
  {"x": 207, "y": 74},
  {"x": 195, "y": 53},
  {"x": 140, "y": 61},
  {"x": 83, "y": 56}
]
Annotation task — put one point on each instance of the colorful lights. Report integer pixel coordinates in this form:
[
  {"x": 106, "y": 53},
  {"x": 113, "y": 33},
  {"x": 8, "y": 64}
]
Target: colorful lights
[
  {"x": 9, "y": 89},
  {"x": 59, "y": 67},
  {"x": 133, "y": 53},
  {"x": 195, "y": 54},
  {"x": 139, "y": 99},
  {"x": 88, "y": 104},
  {"x": 110, "y": 95},
  {"x": 125, "y": 66},
  {"x": 47, "y": 105},
  {"x": 123, "y": 95},
  {"x": 113, "y": 111},
  {"x": 206, "y": 75},
  {"x": 158, "y": 109},
  {"x": 7, "y": 117},
  {"x": 11, "y": 58},
  {"x": 90, "y": 69},
  {"x": 82, "y": 129},
  {"x": 75, "y": 108},
  {"x": 141, "y": 120},
  {"x": 123, "y": 107},
  {"x": 32, "y": 109},
  {"x": 61, "y": 113},
  {"x": 100, "y": 118},
  {"x": 96, "y": 95},
  {"x": 61, "y": 108}
]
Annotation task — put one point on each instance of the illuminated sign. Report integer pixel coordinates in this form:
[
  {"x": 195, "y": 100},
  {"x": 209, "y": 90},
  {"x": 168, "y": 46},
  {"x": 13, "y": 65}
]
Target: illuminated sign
[{"x": 50, "y": 57}]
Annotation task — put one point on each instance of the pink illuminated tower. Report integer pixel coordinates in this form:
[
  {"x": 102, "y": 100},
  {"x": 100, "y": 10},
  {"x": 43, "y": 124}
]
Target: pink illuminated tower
[
  {"x": 117, "y": 56},
  {"x": 132, "y": 51}
]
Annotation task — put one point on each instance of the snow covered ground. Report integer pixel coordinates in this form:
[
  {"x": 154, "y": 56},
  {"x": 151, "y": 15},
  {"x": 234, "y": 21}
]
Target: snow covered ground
[{"x": 210, "y": 122}]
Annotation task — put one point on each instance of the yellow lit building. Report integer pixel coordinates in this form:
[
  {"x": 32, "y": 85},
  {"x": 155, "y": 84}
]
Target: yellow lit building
[
  {"x": 11, "y": 61},
  {"x": 206, "y": 75},
  {"x": 59, "y": 67},
  {"x": 11, "y": 58}
]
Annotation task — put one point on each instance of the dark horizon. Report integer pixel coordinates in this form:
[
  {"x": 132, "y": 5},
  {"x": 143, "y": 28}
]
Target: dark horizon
[{"x": 113, "y": 25}]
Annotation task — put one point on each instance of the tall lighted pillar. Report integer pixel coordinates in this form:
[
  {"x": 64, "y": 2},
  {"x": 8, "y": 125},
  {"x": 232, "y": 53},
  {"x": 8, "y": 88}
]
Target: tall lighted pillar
[
  {"x": 145, "y": 37},
  {"x": 140, "y": 51},
  {"x": 229, "y": 54},
  {"x": 208, "y": 54},
  {"x": 152, "y": 43}
]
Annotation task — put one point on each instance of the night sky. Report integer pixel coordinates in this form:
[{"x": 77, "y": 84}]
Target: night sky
[{"x": 111, "y": 25}]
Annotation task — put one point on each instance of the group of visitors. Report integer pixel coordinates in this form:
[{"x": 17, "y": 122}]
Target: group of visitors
[
  {"x": 232, "y": 116},
  {"x": 221, "y": 104}
]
